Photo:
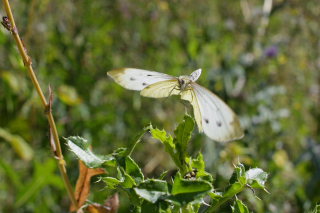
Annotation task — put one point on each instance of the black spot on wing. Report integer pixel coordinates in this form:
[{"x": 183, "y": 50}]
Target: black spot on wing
[
  {"x": 132, "y": 79},
  {"x": 149, "y": 75},
  {"x": 206, "y": 120},
  {"x": 219, "y": 123},
  {"x": 144, "y": 84}
]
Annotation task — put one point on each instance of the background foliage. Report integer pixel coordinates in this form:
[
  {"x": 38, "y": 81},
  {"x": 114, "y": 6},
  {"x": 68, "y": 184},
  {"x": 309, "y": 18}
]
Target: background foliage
[{"x": 265, "y": 67}]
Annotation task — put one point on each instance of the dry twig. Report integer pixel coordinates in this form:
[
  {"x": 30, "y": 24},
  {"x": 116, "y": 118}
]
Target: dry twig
[{"x": 9, "y": 23}]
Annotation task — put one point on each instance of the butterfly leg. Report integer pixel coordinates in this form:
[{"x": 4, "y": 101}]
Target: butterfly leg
[
  {"x": 171, "y": 91},
  {"x": 188, "y": 104},
  {"x": 174, "y": 88}
]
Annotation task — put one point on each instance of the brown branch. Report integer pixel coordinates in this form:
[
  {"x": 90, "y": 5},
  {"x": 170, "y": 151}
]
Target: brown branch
[{"x": 10, "y": 25}]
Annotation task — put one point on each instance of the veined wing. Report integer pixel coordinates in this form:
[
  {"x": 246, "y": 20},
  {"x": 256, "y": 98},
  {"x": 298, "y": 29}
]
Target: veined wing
[
  {"x": 190, "y": 95},
  {"x": 219, "y": 122},
  {"x": 195, "y": 75},
  {"x": 137, "y": 79},
  {"x": 161, "y": 89}
]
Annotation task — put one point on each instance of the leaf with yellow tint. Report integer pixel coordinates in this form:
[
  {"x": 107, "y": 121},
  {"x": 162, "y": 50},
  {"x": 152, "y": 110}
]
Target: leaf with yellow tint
[{"x": 69, "y": 95}]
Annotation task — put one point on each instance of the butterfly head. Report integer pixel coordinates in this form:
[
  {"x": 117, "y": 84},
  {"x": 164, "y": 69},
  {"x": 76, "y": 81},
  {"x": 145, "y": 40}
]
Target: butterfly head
[{"x": 184, "y": 82}]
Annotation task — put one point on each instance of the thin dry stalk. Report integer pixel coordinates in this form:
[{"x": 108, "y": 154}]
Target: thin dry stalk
[{"x": 9, "y": 24}]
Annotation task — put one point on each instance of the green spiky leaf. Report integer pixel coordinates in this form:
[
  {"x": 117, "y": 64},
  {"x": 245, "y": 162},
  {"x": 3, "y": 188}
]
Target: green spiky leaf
[
  {"x": 183, "y": 135},
  {"x": 152, "y": 190},
  {"x": 81, "y": 148},
  {"x": 239, "y": 207},
  {"x": 256, "y": 178}
]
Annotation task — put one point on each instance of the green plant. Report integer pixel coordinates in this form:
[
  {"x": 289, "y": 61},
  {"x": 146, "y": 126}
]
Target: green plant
[
  {"x": 268, "y": 74},
  {"x": 186, "y": 191}
]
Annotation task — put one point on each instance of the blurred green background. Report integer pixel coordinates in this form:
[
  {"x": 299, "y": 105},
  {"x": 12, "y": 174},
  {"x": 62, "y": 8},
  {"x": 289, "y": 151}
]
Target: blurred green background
[{"x": 263, "y": 61}]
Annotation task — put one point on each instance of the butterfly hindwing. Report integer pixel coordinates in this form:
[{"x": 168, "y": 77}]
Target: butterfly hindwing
[
  {"x": 190, "y": 96},
  {"x": 161, "y": 89},
  {"x": 137, "y": 79},
  {"x": 219, "y": 122}
]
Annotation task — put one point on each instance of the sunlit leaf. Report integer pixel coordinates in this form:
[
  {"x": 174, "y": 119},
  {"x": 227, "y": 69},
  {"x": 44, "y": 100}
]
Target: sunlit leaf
[
  {"x": 134, "y": 170},
  {"x": 162, "y": 136},
  {"x": 316, "y": 209},
  {"x": 152, "y": 190},
  {"x": 177, "y": 146},
  {"x": 199, "y": 163},
  {"x": 126, "y": 180},
  {"x": 182, "y": 135},
  {"x": 81, "y": 148},
  {"x": 183, "y": 186},
  {"x": 167, "y": 140},
  {"x": 238, "y": 181},
  {"x": 215, "y": 195},
  {"x": 234, "y": 189},
  {"x": 239, "y": 171},
  {"x": 111, "y": 182},
  {"x": 256, "y": 178}
]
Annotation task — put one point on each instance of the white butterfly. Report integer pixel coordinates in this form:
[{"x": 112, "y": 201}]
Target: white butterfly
[{"x": 212, "y": 115}]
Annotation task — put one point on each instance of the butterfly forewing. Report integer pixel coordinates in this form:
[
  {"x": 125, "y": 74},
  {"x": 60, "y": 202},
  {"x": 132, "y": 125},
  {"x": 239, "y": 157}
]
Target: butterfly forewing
[
  {"x": 161, "y": 89},
  {"x": 219, "y": 122},
  {"x": 137, "y": 79},
  {"x": 195, "y": 75}
]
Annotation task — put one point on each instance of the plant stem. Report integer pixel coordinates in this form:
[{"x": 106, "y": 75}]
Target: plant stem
[
  {"x": 215, "y": 206},
  {"x": 28, "y": 64}
]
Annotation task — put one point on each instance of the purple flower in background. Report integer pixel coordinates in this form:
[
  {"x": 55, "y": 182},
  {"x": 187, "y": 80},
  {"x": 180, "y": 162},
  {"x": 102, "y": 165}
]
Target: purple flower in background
[{"x": 271, "y": 51}]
